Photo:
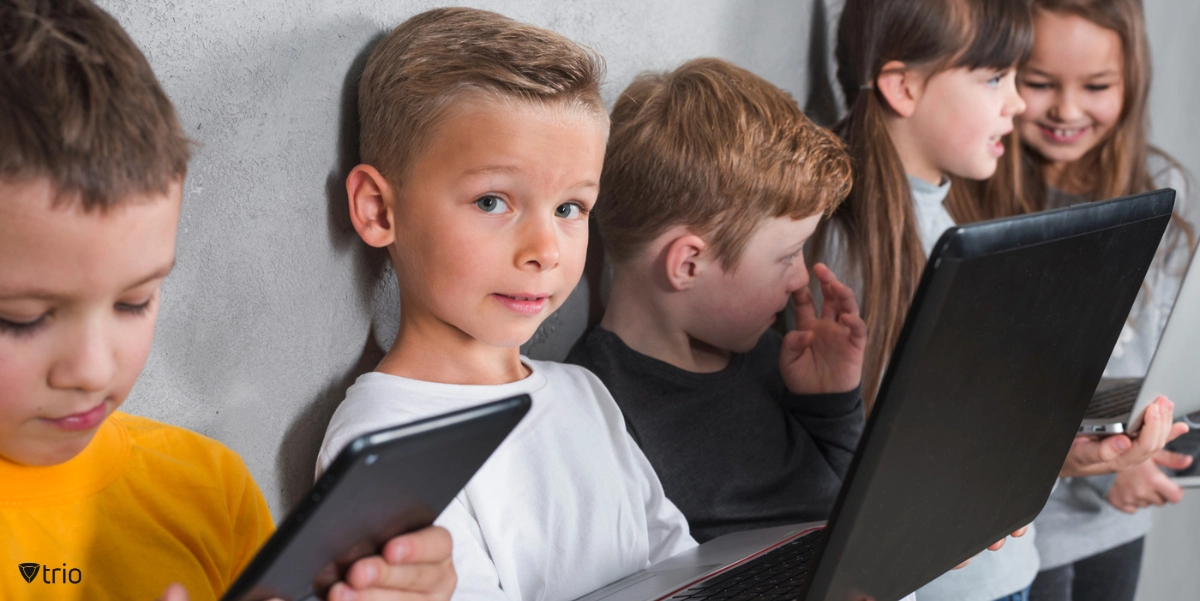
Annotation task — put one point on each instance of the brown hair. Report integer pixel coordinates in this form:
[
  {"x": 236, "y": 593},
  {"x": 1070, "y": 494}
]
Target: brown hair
[
  {"x": 415, "y": 73},
  {"x": 1117, "y": 166},
  {"x": 80, "y": 106},
  {"x": 877, "y": 220},
  {"x": 715, "y": 148}
]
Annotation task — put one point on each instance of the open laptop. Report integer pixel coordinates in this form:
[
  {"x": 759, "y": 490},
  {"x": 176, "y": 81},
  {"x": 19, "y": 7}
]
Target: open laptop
[
  {"x": 1119, "y": 403},
  {"x": 1006, "y": 338}
]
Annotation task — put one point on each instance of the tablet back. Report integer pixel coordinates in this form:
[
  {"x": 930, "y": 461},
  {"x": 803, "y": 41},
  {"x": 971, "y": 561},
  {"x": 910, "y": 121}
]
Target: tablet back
[
  {"x": 381, "y": 485},
  {"x": 1004, "y": 343}
]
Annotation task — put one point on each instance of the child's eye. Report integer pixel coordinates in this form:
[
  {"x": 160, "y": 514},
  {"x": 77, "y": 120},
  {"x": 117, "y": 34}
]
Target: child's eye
[
  {"x": 1097, "y": 87},
  {"x": 134, "y": 309},
  {"x": 22, "y": 328},
  {"x": 569, "y": 210},
  {"x": 491, "y": 204},
  {"x": 997, "y": 78},
  {"x": 1036, "y": 85}
]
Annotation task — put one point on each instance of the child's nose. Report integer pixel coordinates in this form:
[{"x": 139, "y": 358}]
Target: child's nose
[
  {"x": 1066, "y": 108},
  {"x": 88, "y": 361},
  {"x": 539, "y": 246}
]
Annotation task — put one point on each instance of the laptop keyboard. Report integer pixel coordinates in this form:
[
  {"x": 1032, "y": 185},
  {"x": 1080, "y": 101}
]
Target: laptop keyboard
[
  {"x": 779, "y": 574},
  {"x": 1115, "y": 401}
]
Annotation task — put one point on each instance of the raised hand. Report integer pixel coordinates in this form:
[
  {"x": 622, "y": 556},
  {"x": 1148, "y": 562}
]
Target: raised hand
[{"x": 825, "y": 352}]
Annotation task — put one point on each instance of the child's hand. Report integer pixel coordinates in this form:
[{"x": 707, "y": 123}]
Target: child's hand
[
  {"x": 415, "y": 566},
  {"x": 1145, "y": 484},
  {"x": 824, "y": 354},
  {"x": 174, "y": 592},
  {"x": 1090, "y": 456},
  {"x": 996, "y": 546}
]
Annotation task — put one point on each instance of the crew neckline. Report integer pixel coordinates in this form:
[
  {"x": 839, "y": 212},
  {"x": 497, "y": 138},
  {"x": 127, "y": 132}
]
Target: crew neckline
[{"x": 89, "y": 472}]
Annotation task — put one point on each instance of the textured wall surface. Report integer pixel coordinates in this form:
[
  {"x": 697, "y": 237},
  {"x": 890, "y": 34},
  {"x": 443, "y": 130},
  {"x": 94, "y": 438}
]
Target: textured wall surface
[{"x": 275, "y": 305}]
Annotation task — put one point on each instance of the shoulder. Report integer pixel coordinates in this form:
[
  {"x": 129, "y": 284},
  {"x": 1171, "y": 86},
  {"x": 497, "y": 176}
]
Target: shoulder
[
  {"x": 371, "y": 404},
  {"x": 161, "y": 442},
  {"x": 565, "y": 375},
  {"x": 170, "y": 458}
]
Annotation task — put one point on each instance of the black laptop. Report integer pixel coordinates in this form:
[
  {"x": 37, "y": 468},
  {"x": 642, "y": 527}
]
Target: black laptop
[{"x": 1005, "y": 341}]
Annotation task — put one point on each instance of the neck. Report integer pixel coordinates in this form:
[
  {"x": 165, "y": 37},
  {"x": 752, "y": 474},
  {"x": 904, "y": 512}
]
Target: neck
[
  {"x": 648, "y": 320},
  {"x": 911, "y": 156},
  {"x": 434, "y": 351},
  {"x": 1057, "y": 174}
]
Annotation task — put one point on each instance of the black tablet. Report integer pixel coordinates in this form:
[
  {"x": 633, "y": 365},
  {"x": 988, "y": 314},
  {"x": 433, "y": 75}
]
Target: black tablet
[{"x": 381, "y": 485}]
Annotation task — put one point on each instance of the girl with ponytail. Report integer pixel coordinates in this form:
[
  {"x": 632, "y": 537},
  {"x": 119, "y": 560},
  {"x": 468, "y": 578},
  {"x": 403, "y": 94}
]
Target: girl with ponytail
[{"x": 931, "y": 96}]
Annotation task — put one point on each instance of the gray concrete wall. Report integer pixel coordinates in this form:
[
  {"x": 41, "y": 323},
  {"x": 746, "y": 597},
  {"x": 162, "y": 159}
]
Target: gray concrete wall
[{"x": 275, "y": 306}]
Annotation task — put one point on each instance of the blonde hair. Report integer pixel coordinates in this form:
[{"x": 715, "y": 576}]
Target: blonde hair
[
  {"x": 715, "y": 148},
  {"x": 415, "y": 74},
  {"x": 877, "y": 219}
]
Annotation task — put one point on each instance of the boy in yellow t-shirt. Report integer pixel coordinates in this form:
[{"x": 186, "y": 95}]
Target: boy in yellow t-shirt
[{"x": 96, "y": 504}]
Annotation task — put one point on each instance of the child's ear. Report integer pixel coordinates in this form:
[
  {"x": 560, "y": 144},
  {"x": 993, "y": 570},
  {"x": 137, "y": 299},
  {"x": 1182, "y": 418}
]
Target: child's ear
[
  {"x": 683, "y": 260},
  {"x": 371, "y": 205},
  {"x": 900, "y": 87}
]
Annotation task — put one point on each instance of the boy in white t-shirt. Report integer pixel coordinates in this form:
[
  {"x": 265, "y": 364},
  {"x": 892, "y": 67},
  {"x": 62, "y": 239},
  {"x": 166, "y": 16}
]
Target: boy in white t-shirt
[{"x": 482, "y": 143}]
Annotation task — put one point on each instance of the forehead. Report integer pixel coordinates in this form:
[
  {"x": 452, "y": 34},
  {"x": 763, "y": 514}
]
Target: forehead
[
  {"x": 780, "y": 233},
  {"x": 1070, "y": 42},
  {"x": 59, "y": 249}
]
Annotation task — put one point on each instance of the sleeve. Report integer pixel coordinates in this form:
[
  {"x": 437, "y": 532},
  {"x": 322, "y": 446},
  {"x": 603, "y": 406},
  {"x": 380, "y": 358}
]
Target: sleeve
[
  {"x": 667, "y": 528},
  {"x": 251, "y": 518},
  {"x": 834, "y": 421},
  {"x": 477, "y": 576}
]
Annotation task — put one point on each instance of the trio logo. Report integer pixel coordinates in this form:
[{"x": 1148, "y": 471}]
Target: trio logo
[{"x": 29, "y": 571}]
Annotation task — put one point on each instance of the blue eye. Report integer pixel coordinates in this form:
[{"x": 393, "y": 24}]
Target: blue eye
[
  {"x": 569, "y": 210},
  {"x": 491, "y": 204},
  {"x": 995, "y": 81}
]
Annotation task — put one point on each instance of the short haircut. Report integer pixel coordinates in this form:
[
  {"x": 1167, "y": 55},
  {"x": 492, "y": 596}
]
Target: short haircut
[
  {"x": 80, "y": 106},
  {"x": 416, "y": 73},
  {"x": 715, "y": 148}
]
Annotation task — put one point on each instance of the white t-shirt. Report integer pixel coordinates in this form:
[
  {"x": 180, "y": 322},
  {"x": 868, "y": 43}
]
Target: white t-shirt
[{"x": 566, "y": 504}]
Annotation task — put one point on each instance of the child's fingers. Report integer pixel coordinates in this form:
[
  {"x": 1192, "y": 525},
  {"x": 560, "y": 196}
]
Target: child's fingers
[
  {"x": 1021, "y": 532},
  {"x": 996, "y": 546},
  {"x": 805, "y": 308},
  {"x": 429, "y": 545},
  {"x": 175, "y": 592},
  {"x": 424, "y": 578},
  {"x": 1177, "y": 429},
  {"x": 1172, "y": 460},
  {"x": 838, "y": 297},
  {"x": 858, "y": 327}
]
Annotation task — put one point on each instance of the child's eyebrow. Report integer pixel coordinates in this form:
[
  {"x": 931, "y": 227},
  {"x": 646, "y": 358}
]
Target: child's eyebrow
[
  {"x": 512, "y": 170},
  {"x": 44, "y": 294}
]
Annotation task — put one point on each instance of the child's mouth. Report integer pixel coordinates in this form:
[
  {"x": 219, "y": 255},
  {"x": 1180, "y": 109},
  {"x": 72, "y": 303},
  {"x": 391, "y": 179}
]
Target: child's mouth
[
  {"x": 1062, "y": 135},
  {"x": 525, "y": 304},
  {"x": 85, "y": 420}
]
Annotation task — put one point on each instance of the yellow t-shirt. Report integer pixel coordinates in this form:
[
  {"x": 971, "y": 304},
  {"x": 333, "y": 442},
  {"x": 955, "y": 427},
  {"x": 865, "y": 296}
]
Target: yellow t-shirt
[{"x": 144, "y": 505}]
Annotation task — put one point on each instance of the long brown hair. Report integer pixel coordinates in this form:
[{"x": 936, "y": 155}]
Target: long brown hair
[
  {"x": 877, "y": 220},
  {"x": 1117, "y": 166}
]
